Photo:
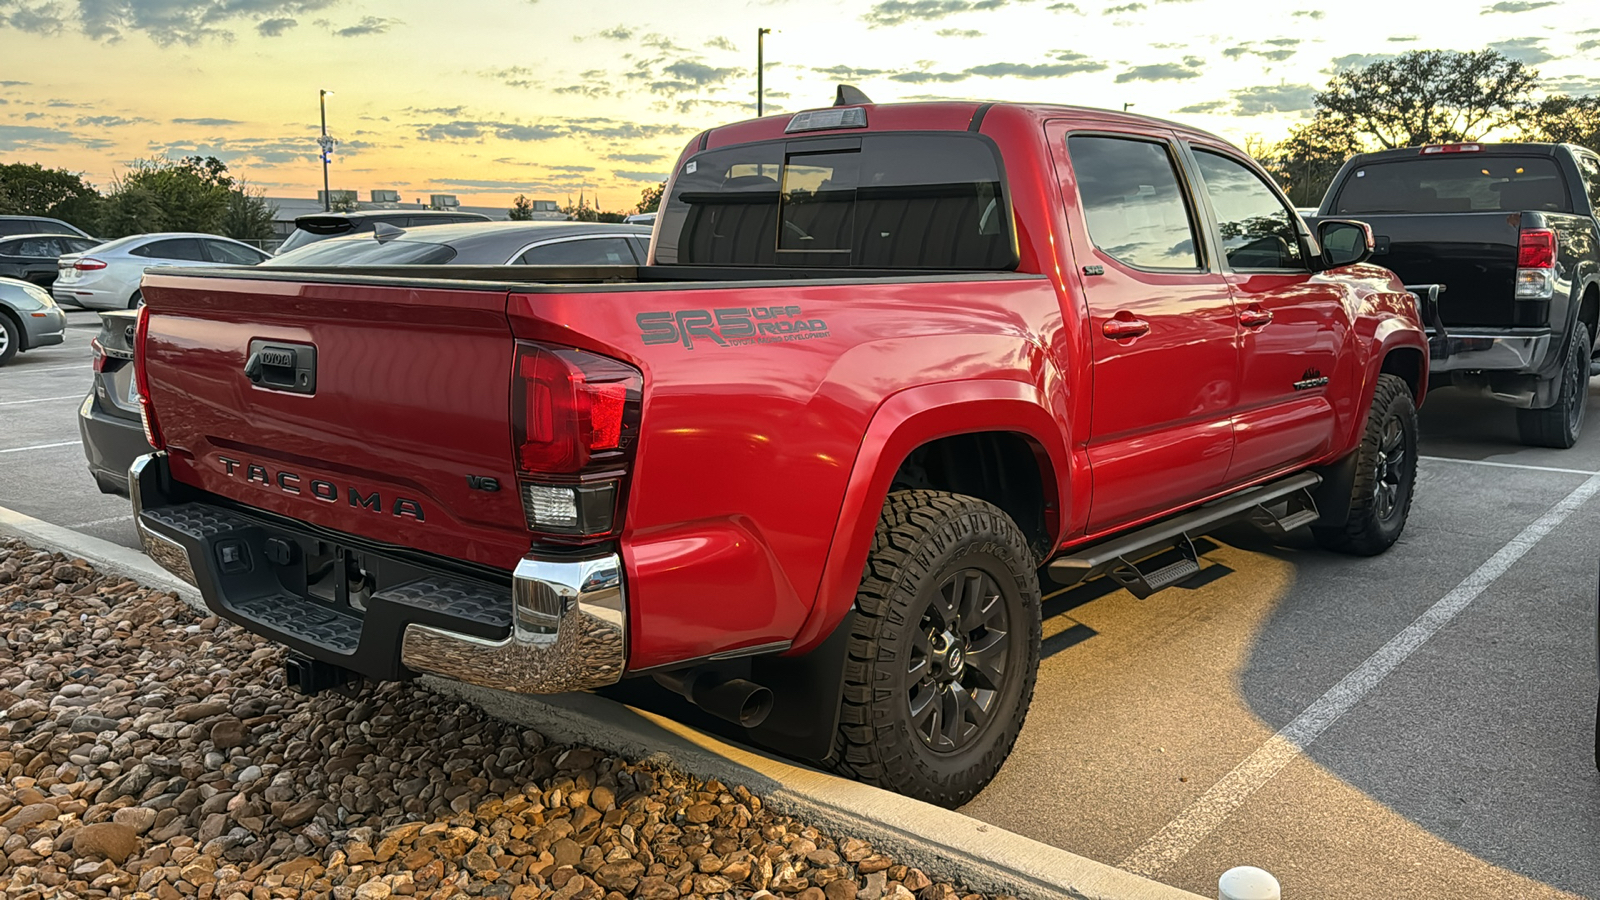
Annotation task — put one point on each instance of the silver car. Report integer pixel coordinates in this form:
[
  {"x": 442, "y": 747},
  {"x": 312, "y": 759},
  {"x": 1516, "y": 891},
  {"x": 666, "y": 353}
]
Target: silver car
[
  {"x": 29, "y": 318},
  {"x": 107, "y": 276}
]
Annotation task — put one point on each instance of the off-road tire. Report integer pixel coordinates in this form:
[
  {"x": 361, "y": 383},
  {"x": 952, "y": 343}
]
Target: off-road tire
[
  {"x": 10, "y": 338},
  {"x": 1559, "y": 425},
  {"x": 1377, "y": 515},
  {"x": 924, "y": 539}
]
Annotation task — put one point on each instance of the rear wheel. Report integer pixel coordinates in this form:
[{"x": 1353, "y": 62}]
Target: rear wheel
[
  {"x": 10, "y": 339},
  {"x": 944, "y": 653},
  {"x": 137, "y": 300},
  {"x": 1386, "y": 472},
  {"x": 1559, "y": 425}
]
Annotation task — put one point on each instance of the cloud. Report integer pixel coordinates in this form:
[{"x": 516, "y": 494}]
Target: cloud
[
  {"x": 849, "y": 73},
  {"x": 615, "y": 33},
  {"x": 1357, "y": 60},
  {"x": 899, "y": 12},
  {"x": 959, "y": 33},
  {"x": 1516, "y": 6},
  {"x": 1209, "y": 106},
  {"x": 1309, "y": 14},
  {"x": 512, "y": 76},
  {"x": 495, "y": 185},
  {"x": 637, "y": 158},
  {"x": 1277, "y": 49},
  {"x": 1046, "y": 70},
  {"x": 922, "y": 77},
  {"x": 1578, "y": 86},
  {"x": 207, "y": 121},
  {"x": 168, "y": 22},
  {"x": 453, "y": 112},
  {"x": 109, "y": 121},
  {"x": 721, "y": 43},
  {"x": 367, "y": 25},
  {"x": 1065, "y": 8},
  {"x": 275, "y": 27},
  {"x": 1527, "y": 49},
  {"x": 632, "y": 175},
  {"x": 33, "y": 137},
  {"x": 1189, "y": 68},
  {"x": 1124, "y": 8},
  {"x": 570, "y": 168},
  {"x": 43, "y": 18},
  {"x": 1589, "y": 45},
  {"x": 591, "y": 127},
  {"x": 6, "y": 84},
  {"x": 1403, "y": 39},
  {"x": 1279, "y": 98}
]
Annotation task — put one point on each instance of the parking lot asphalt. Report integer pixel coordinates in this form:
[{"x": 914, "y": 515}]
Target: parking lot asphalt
[{"x": 1462, "y": 766}]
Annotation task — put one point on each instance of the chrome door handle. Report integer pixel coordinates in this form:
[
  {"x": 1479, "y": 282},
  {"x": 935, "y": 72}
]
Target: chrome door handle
[
  {"x": 1255, "y": 318},
  {"x": 1122, "y": 329}
]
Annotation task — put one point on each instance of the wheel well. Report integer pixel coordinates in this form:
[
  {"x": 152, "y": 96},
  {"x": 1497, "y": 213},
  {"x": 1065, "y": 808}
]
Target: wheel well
[
  {"x": 22, "y": 333},
  {"x": 1406, "y": 362},
  {"x": 1001, "y": 467},
  {"x": 1589, "y": 311}
]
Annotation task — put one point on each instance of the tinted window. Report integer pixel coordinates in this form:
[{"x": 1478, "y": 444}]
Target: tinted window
[
  {"x": 49, "y": 226},
  {"x": 364, "y": 251},
  {"x": 1590, "y": 167},
  {"x": 1458, "y": 182},
  {"x": 232, "y": 254},
  {"x": 641, "y": 248},
  {"x": 32, "y": 246},
  {"x": 171, "y": 248},
  {"x": 10, "y": 248},
  {"x": 1257, "y": 230},
  {"x": 884, "y": 200},
  {"x": 17, "y": 226},
  {"x": 1133, "y": 202},
  {"x": 587, "y": 252},
  {"x": 76, "y": 245}
]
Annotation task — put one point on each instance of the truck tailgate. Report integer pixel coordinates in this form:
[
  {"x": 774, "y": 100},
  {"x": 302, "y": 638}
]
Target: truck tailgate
[
  {"x": 391, "y": 439},
  {"x": 1474, "y": 255}
]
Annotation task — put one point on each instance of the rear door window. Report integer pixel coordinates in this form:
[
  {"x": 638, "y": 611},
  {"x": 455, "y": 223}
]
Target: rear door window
[
  {"x": 172, "y": 248},
  {"x": 1590, "y": 167},
  {"x": 582, "y": 252},
  {"x": 1135, "y": 206},
  {"x": 1455, "y": 182},
  {"x": 890, "y": 200},
  {"x": 1258, "y": 231}
]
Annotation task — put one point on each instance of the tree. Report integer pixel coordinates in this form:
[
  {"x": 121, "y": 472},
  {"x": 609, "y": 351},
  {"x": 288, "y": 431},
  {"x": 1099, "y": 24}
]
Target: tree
[
  {"x": 1428, "y": 96},
  {"x": 521, "y": 209},
  {"x": 650, "y": 198},
  {"x": 29, "y": 189},
  {"x": 1562, "y": 119},
  {"x": 343, "y": 202},
  {"x": 1305, "y": 162},
  {"x": 189, "y": 194},
  {"x": 248, "y": 216}
]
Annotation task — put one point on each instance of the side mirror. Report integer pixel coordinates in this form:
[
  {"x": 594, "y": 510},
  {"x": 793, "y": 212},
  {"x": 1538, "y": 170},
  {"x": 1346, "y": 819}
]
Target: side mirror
[{"x": 1345, "y": 242}]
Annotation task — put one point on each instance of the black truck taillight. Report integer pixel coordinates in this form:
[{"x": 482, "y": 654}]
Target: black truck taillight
[
  {"x": 1536, "y": 262},
  {"x": 575, "y": 422},
  {"x": 141, "y": 379}
]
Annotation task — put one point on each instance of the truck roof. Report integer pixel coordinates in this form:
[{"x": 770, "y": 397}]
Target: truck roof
[
  {"x": 936, "y": 115},
  {"x": 1529, "y": 148}
]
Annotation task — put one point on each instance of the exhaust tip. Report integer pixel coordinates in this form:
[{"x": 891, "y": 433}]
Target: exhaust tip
[{"x": 737, "y": 700}]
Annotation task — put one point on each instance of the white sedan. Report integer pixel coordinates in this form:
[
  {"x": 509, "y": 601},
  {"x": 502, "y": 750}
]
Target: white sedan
[{"x": 107, "y": 276}]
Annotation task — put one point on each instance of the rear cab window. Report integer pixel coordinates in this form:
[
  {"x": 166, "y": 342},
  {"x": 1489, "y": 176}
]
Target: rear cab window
[
  {"x": 880, "y": 200},
  {"x": 1458, "y": 182}
]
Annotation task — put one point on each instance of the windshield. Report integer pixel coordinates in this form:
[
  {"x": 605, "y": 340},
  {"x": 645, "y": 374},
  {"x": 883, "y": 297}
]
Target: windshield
[
  {"x": 887, "y": 200},
  {"x": 366, "y": 251},
  {"x": 1465, "y": 182}
]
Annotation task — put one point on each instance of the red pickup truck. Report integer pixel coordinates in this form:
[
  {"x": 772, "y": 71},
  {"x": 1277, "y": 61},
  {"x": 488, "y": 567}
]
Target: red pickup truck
[{"x": 805, "y": 467}]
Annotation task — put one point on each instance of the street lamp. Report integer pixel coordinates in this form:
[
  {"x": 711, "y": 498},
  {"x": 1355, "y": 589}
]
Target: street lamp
[
  {"x": 761, "y": 38},
  {"x": 1125, "y": 106},
  {"x": 326, "y": 143}
]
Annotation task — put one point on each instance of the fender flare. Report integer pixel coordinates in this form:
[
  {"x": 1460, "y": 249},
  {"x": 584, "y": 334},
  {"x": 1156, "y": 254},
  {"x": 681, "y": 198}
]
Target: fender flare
[{"x": 903, "y": 422}]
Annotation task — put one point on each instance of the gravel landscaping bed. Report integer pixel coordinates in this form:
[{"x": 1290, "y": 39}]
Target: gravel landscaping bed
[{"x": 149, "y": 752}]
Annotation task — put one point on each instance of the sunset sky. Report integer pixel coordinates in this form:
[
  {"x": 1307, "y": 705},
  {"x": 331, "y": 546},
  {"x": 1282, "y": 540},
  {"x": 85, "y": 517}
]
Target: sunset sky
[{"x": 486, "y": 99}]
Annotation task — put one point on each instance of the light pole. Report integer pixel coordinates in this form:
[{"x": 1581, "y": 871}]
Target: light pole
[
  {"x": 326, "y": 143},
  {"x": 1125, "y": 106},
  {"x": 761, "y": 39}
]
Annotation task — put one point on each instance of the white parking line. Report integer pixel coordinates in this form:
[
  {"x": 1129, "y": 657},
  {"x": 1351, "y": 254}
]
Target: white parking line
[
  {"x": 57, "y": 368},
  {"x": 1505, "y": 465},
  {"x": 1184, "y": 833},
  {"x": 42, "y": 447},
  {"x": 40, "y": 400}
]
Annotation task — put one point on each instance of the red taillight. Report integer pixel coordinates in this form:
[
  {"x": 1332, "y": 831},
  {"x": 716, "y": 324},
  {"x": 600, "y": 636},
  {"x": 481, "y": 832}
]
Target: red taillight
[
  {"x": 571, "y": 405},
  {"x": 1537, "y": 249},
  {"x": 141, "y": 378},
  {"x": 1451, "y": 148},
  {"x": 99, "y": 354},
  {"x": 88, "y": 264},
  {"x": 575, "y": 420}
]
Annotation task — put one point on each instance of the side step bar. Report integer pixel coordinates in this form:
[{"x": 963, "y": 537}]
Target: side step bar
[{"x": 1277, "y": 507}]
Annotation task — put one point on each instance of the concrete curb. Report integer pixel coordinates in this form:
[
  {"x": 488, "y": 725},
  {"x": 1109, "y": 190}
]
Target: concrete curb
[{"x": 947, "y": 845}]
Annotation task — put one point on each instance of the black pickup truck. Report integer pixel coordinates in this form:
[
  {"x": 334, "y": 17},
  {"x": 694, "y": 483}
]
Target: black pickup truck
[{"x": 1509, "y": 231}]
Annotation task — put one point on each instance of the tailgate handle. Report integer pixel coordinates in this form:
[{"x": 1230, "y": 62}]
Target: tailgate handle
[{"x": 282, "y": 366}]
